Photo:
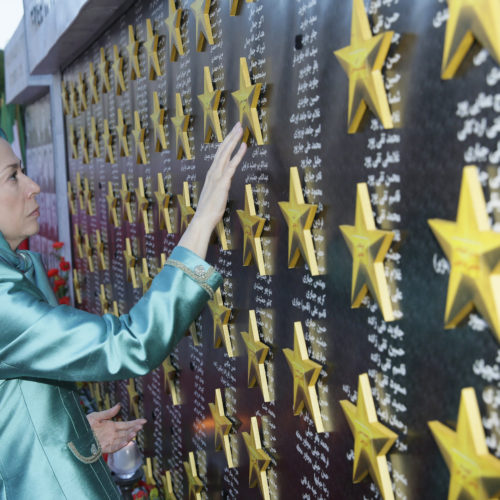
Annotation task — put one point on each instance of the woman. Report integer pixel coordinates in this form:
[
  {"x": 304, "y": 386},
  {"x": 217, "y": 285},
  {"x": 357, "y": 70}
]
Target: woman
[{"x": 47, "y": 448}]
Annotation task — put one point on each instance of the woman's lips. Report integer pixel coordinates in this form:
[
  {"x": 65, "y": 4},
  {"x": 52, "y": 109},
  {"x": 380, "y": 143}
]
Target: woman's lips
[{"x": 35, "y": 213}]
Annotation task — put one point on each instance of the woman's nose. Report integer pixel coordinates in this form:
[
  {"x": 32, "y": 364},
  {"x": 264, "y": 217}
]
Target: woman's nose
[{"x": 33, "y": 188}]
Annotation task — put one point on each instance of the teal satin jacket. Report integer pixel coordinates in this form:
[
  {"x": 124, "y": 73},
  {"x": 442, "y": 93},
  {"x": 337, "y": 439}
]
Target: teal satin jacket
[{"x": 47, "y": 449}]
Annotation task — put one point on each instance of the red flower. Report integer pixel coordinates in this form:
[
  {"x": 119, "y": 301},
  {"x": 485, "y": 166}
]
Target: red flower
[
  {"x": 52, "y": 272},
  {"x": 60, "y": 282},
  {"x": 57, "y": 245},
  {"x": 64, "y": 300},
  {"x": 64, "y": 265}
]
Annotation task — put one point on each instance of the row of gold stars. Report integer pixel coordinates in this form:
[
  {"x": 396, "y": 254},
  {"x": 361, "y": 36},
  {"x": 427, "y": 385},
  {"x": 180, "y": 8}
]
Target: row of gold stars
[
  {"x": 246, "y": 98},
  {"x": 471, "y": 246}
]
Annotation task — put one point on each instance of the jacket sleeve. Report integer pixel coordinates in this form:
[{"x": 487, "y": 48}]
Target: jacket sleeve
[{"x": 38, "y": 340}]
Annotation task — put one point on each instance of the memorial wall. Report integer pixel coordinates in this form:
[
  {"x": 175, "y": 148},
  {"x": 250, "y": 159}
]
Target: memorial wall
[{"x": 352, "y": 351}]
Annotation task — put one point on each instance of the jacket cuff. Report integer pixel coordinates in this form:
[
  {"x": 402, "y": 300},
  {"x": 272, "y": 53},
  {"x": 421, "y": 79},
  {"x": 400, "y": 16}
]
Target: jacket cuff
[{"x": 196, "y": 268}]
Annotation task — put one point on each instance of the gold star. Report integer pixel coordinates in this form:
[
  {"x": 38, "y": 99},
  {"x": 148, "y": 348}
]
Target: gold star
[
  {"x": 100, "y": 250},
  {"x": 138, "y": 134},
  {"x": 130, "y": 263},
  {"x": 222, "y": 427},
  {"x": 107, "y": 402},
  {"x": 151, "y": 45},
  {"x": 133, "y": 398},
  {"x": 194, "y": 484},
  {"x": 257, "y": 352},
  {"x": 299, "y": 216},
  {"x": 148, "y": 473},
  {"x": 93, "y": 84},
  {"x": 305, "y": 375},
  {"x": 115, "y": 309},
  {"x": 220, "y": 230},
  {"x": 88, "y": 195},
  {"x": 65, "y": 99},
  {"x": 82, "y": 92},
  {"x": 71, "y": 199},
  {"x": 169, "y": 375},
  {"x": 474, "y": 471},
  {"x": 191, "y": 332},
  {"x": 79, "y": 190},
  {"x": 246, "y": 99},
  {"x": 181, "y": 122},
  {"x": 252, "y": 229},
  {"x": 77, "y": 287},
  {"x": 125, "y": 195},
  {"x": 363, "y": 61},
  {"x": 107, "y": 140},
  {"x": 220, "y": 316},
  {"x": 146, "y": 280},
  {"x": 133, "y": 54},
  {"x": 77, "y": 238},
  {"x": 162, "y": 201},
  {"x": 258, "y": 459},
  {"x": 74, "y": 100},
  {"x": 372, "y": 440},
  {"x": 72, "y": 142},
  {"x": 94, "y": 138},
  {"x": 104, "y": 72},
  {"x": 84, "y": 146},
  {"x": 187, "y": 211},
  {"x": 158, "y": 118},
  {"x": 368, "y": 246},
  {"x": 142, "y": 204},
  {"x": 88, "y": 252},
  {"x": 97, "y": 394},
  {"x": 118, "y": 71},
  {"x": 173, "y": 23},
  {"x": 234, "y": 7},
  {"x": 201, "y": 11},
  {"x": 210, "y": 103},
  {"x": 121, "y": 132},
  {"x": 473, "y": 250},
  {"x": 168, "y": 490},
  {"x": 470, "y": 20},
  {"x": 103, "y": 300}
]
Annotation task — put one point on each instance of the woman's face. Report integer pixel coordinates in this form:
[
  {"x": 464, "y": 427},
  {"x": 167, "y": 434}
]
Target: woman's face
[{"x": 18, "y": 207}]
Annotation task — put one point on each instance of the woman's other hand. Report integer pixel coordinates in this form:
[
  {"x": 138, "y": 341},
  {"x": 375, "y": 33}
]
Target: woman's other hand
[
  {"x": 213, "y": 197},
  {"x": 113, "y": 436}
]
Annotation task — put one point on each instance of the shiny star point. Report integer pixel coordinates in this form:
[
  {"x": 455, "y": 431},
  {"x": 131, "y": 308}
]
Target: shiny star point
[
  {"x": 126, "y": 196},
  {"x": 104, "y": 72},
  {"x": 146, "y": 279},
  {"x": 82, "y": 92},
  {"x": 474, "y": 471},
  {"x": 299, "y": 216},
  {"x": 130, "y": 261},
  {"x": 173, "y": 23},
  {"x": 162, "y": 202},
  {"x": 372, "y": 440},
  {"x": 201, "y": 10},
  {"x": 186, "y": 210},
  {"x": 222, "y": 427},
  {"x": 94, "y": 138},
  {"x": 195, "y": 485},
  {"x": 93, "y": 84},
  {"x": 133, "y": 54},
  {"x": 257, "y": 352},
  {"x": 138, "y": 133},
  {"x": 142, "y": 204},
  {"x": 305, "y": 374},
  {"x": 151, "y": 46},
  {"x": 117, "y": 67},
  {"x": 133, "y": 398},
  {"x": 470, "y": 20},
  {"x": 84, "y": 146},
  {"x": 112, "y": 202},
  {"x": 258, "y": 459},
  {"x": 210, "y": 103},
  {"x": 107, "y": 140},
  {"x": 235, "y": 5},
  {"x": 100, "y": 250},
  {"x": 169, "y": 375},
  {"x": 168, "y": 489},
  {"x": 368, "y": 246},
  {"x": 252, "y": 229},
  {"x": 220, "y": 314},
  {"x": 473, "y": 250},
  {"x": 65, "y": 98},
  {"x": 247, "y": 98},
  {"x": 181, "y": 123},
  {"x": 158, "y": 119},
  {"x": 362, "y": 60}
]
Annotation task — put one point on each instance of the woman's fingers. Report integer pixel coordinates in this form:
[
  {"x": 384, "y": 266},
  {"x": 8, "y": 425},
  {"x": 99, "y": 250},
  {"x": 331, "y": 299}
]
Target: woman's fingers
[
  {"x": 235, "y": 161},
  {"x": 228, "y": 145}
]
